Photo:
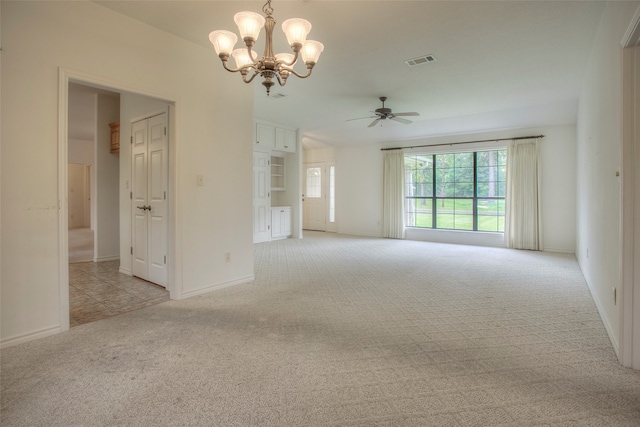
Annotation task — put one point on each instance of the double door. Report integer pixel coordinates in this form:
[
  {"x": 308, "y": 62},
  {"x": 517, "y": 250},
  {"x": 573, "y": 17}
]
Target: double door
[{"x": 150, "y": 168}]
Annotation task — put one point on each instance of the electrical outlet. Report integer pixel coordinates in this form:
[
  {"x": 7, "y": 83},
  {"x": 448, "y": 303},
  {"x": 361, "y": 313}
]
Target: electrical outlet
[{"x": 227, "y": 257}]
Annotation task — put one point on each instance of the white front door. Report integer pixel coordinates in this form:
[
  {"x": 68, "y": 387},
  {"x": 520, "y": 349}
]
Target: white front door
[
  {"x": 313, "y": 197},
  {"x": 150, "y": 168},
  {"x": 261, "y": 197}
]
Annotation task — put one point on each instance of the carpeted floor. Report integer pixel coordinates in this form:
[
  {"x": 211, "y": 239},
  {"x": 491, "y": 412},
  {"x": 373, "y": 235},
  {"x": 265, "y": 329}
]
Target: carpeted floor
[{"x": 342, "y": 331}]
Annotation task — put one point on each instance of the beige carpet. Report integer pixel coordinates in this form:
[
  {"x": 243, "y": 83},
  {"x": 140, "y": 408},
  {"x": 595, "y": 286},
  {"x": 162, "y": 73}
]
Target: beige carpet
[{"x": 342, "y": 331}]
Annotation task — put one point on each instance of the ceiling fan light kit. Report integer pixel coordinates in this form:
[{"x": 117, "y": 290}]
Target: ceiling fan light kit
[
  {"x": 384, "y": 113},
  {"x": 272, "y": 67}
]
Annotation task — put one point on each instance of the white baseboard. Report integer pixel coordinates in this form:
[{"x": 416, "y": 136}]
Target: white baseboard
[
  {"x": 607, "y": 327},
  {"x": 560, "y": 251},
  {"x": 356, "y": 233},
  {"x": 106, "y": 258},
  {"x": 126, "y": 271},
  {"x": 30, "y": 336},
  {"x": 216, "y": 287}
]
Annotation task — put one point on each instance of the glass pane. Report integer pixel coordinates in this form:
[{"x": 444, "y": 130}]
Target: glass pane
[
  {"x": 463, "y": 214},
  {"x": 332, "y": 194},
  {"x": 444, "y": 213},
  {"x": 464, "y": 189},
  {"x": 491, "y": 215},
  {"x": 464, "y": 160},
  {"x": 419, "y": 213},
  {"x": 314, "y": 182},
  {"x": 418, "y": 175}
]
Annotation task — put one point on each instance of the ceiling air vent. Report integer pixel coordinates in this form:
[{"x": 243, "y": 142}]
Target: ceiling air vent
[{"x": 420, "y": 60}]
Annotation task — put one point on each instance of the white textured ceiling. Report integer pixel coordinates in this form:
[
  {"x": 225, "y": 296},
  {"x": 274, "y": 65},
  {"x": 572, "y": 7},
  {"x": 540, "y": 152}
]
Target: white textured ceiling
[{"x": 500, "y": 64}]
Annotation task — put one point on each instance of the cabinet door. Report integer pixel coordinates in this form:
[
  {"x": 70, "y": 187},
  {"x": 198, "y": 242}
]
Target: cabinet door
[
  {"x": 286, "y": 222},
  {"x": 286, "y": 140},
  {"x": 276, "y": 222},
  {"x": 265, "y": 136}
]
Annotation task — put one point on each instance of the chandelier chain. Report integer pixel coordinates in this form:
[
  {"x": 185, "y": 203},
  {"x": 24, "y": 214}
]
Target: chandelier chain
[{"x": 267, "y": 8}]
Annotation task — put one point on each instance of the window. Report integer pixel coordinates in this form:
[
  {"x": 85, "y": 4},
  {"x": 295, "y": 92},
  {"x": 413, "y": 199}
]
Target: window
[
  {"x": 456, "y": 191},
  {"x": 314, "y": 183}
]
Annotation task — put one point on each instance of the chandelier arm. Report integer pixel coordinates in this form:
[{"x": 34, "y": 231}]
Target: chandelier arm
[
  {"x": 288, "y": 64},
  {"x": 235, "y": 70},
  {"x": 281, "y": 80},
  {"x": 252, "y": 54},
  {"x": 253, "y": 76},
  {"x": 302, "y": 76}
]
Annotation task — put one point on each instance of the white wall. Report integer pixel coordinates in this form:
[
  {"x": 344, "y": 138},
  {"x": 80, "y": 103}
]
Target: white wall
[
  {"x": 359, "y": 188},
  {"x": 107, "y": 167},
  {"x": 40, "y": 37},
  {"x": 78, "y": 195},
  {"x": 598, "y": 160},
  {"x": 80, "y": 151}
]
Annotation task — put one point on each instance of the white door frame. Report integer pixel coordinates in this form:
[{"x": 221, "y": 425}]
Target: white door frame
[
  {"x": 629, "y": 338},
  {"x": 64, "y": 77}
]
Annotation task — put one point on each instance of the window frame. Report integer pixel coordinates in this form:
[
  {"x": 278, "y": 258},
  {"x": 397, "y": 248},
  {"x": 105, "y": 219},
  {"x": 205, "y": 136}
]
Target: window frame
[{"x": 435, "y": 199}]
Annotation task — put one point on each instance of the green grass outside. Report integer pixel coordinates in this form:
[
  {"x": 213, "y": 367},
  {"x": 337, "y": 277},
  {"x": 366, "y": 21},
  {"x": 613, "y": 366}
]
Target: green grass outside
[{"x": 457, "y": 215}]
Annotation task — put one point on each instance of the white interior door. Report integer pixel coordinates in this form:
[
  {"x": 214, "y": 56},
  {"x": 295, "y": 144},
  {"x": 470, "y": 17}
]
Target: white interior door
[
  {"x": 313, "y": 197},
  {"x": 150, "y": 168},
  {"x": 261, "y": 197}
]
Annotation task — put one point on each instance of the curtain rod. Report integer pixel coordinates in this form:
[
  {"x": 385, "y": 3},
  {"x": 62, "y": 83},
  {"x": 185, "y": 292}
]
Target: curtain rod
[{"x": 465, "y": 142}]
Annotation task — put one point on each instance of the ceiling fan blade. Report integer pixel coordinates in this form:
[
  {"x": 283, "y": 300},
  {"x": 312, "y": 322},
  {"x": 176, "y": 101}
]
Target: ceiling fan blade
[
  {"x": 398, "y": 119},
  {"x": 375, "y": 122},
  {"x": 406, "y": 114},
  {"x": 360, "y": 118}
]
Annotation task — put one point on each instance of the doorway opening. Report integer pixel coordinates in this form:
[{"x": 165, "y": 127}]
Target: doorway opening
[{"x": 96, "y": 279}]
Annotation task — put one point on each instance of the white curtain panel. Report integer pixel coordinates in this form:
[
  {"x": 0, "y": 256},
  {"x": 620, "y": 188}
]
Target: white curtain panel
[
  {"x": 523, "y": 228},
  {"x": 393, "y": 194}
]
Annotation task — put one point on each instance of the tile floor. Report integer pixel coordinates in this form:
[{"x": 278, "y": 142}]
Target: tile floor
[{"x": 97, "y": 290}]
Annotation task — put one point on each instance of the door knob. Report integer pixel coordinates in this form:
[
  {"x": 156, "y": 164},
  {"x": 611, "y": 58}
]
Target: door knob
[{"x": 144, "y": 208}]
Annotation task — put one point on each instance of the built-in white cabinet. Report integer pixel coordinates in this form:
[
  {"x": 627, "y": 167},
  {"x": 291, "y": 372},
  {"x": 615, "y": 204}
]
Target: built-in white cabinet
[
  {"x": 272, "y": 137},
  {"x": 265, "y": 135},
  {"x": 277, "y": 182},
  {"x": 280, "y": 222},
  {"x": 285, "y": 140}
]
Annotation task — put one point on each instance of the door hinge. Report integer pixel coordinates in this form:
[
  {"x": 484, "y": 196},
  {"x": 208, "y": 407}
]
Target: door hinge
[
  {"x": 165, "y": 195},
  {"x": 131, "y": 250},
  {"x": 165, "y": 132},
  {"x": 165, "y": 259},
  {"x": 131, "y": 139},
  {"x": 131, "y": 195},
  {"x": 268, "y": 227}
]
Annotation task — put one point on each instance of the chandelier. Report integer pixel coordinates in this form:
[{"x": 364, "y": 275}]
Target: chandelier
[{"x": 271, "y": 67}]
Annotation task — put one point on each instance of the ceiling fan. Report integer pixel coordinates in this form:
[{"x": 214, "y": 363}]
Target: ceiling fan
[{"x": 384, "y": 113}]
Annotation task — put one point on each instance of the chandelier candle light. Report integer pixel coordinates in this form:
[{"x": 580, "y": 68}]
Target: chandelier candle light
[{"x": 269, "y": 66}]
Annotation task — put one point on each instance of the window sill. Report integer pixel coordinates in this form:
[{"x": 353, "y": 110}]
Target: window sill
[{"x": 460, "y": 237}]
